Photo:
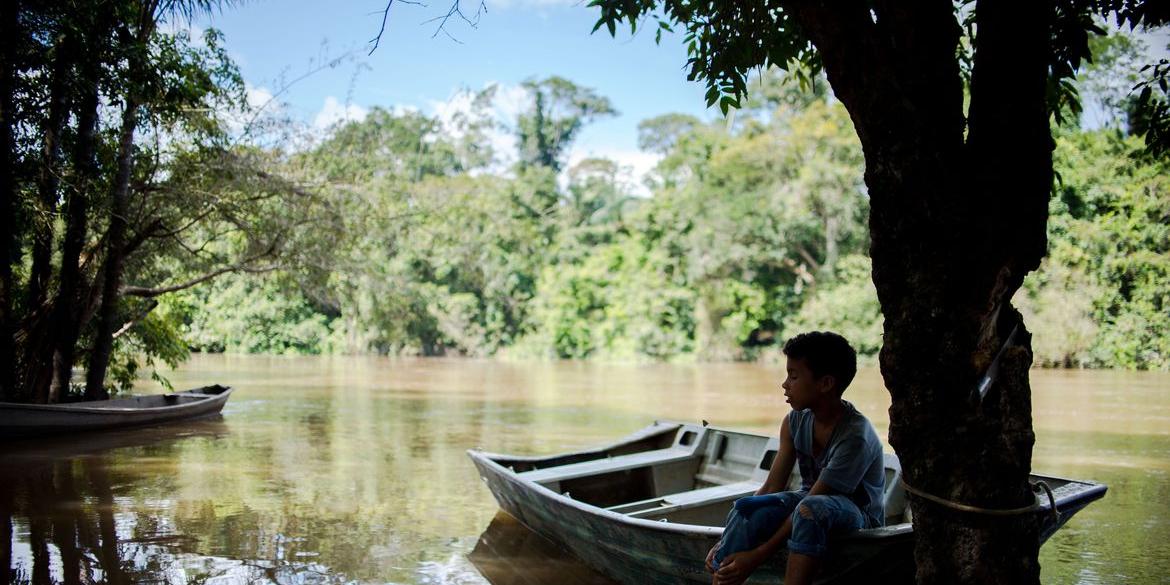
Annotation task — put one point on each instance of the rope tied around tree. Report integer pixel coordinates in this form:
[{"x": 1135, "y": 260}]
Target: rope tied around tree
[{"x": 1036, "y": 506}]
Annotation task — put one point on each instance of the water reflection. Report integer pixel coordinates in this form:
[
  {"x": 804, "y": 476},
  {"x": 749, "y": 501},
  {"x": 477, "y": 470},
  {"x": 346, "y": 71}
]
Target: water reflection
[
  {"x": 58, "y": 509},
  {"x": 75, "y": 514},
  {"x": 352, "y": 470},
  {"x": 508, "y": 553}
]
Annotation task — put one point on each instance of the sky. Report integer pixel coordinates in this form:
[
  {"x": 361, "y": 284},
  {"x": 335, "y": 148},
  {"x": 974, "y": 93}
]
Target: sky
[
  {"x": 283, "y": 46},
  {"x": 416, "y": 66}
]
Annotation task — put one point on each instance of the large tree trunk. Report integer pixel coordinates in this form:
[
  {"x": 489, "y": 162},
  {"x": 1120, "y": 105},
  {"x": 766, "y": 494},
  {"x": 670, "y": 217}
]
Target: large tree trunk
[
  {"x": 32, "y": 373},
  {"x": 956, "y": 223},
  {"x": 9, "y": 30},
  {"x": 68, "y": 305},
  {"x": 49, "y": 177},
  {"x": 99, "y": 357}
]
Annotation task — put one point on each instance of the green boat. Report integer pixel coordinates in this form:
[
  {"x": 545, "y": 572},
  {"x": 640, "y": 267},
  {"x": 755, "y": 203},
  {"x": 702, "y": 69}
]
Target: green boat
[
  {"x": 646, "y": 509},
  {"x": 36, "y": 420}
]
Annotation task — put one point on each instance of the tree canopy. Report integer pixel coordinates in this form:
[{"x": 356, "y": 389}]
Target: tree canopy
[{"x": 953, "y": 104}]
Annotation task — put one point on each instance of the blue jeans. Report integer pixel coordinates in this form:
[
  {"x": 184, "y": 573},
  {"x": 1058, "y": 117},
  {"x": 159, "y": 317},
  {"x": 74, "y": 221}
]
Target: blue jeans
[{"x": 755, "y": 519}]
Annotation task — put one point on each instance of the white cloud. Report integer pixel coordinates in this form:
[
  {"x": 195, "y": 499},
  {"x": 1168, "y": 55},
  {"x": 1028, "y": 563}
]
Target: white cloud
[
  {"x": 258, "y": 102},
  {"x": 635, "y": 166},
  {"x": 258, "y": 97},
  {"x": 334, "y": 111},
  {"x": 495, "y": 119}
]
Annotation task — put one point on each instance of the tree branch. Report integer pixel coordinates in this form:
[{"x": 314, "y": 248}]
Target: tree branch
[
  {"x": 812, "y": 262},
  {"x": 147, "y": 292},
  {"x": 141, "y": 315}
]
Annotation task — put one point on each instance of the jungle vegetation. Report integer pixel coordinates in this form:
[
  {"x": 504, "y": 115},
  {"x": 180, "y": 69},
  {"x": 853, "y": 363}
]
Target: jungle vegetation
[
  {"x": 955, "y": 106},
  {"x": 756, "y": 227},
  {"x": 150, "y": 212}
]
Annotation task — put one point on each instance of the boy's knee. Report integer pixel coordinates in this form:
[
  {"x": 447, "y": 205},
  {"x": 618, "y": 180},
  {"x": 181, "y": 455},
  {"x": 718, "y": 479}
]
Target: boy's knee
[{"x": 810, "y": 508}]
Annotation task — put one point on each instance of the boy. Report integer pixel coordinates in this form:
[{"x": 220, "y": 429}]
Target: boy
[{"x": 841, "y": 469}]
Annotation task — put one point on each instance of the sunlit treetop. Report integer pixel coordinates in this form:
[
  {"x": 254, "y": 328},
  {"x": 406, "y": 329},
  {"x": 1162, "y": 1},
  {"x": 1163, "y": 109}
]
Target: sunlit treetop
[{"x": 726, "y": 40}]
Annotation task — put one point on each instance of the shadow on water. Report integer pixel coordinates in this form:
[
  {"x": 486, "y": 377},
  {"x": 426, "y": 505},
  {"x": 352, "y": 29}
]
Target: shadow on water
[
  {"x": 508, "y": 553},
  {"x": 57, "y": 508},
  {"x": 29, "y": 451},
  {"x": 103, "y": 508}
]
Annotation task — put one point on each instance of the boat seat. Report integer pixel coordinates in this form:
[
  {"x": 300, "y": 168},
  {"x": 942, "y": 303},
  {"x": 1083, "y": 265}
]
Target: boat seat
[
  {"x": 683, "y": 500},
  {"x": 607, "y": 465}
]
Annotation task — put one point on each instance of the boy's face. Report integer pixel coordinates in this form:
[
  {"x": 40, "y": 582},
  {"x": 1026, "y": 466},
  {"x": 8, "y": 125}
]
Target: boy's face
[{"x": 802, "y": 388}]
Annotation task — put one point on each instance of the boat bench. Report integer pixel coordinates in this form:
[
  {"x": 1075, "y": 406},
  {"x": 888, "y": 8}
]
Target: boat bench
[
  {"x": 607, "y": 465},
  {"x": 682, "y": 500}
]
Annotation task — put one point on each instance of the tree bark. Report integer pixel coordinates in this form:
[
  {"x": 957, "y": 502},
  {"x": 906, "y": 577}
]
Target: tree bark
[
  {"x": 955, "y": 223},
  {"x": 49, "y": 177},
  {"x": 99, "y": 357},
  {"x": 67, "y": 306},
  {"x": 9, "y": 249}
]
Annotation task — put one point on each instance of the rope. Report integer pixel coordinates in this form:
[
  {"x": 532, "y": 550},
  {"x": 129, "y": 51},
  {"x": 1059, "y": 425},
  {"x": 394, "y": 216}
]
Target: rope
[{"x": 1034, "y": 507}]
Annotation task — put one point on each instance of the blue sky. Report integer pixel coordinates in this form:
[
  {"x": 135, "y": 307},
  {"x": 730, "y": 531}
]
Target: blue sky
[
  {"x": 413, "y": 67},
  {"x": 275, "y": 41}
]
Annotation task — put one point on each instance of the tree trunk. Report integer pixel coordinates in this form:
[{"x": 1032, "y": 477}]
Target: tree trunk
[
  {"x": 955, "y": 223},
  {"x": 67, "y": 305},
  {"x": 9, "y": 249},
  {"x": 99, "y": 357},
  {"x": 48, "y": 180}
]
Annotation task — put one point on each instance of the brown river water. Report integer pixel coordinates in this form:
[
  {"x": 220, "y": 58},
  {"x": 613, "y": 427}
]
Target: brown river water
[{"x": 352, "y": 470}]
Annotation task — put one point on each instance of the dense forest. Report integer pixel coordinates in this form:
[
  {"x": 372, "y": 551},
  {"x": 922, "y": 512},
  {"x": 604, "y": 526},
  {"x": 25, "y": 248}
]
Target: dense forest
[
  {"x": 151, "y": 211},
  {"x": 755, "y": 229}
]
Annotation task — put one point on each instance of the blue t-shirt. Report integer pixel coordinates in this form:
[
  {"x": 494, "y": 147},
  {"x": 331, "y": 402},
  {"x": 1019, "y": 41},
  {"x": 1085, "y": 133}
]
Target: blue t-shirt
[{"x": 852, "y": 463}]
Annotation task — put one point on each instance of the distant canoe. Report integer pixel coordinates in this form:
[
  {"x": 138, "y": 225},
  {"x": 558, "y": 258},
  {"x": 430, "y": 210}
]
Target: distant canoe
[
  {"x": 646, "y": 509},
  {"x": 33, "y": 420}
]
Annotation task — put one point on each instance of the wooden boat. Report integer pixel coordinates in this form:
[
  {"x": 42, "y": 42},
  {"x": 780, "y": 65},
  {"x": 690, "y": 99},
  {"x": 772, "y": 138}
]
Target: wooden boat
[
  {"x": 32, "y": 420},
  {"x": 648, "y": 508}
]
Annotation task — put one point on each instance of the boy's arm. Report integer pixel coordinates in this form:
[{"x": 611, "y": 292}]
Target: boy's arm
[
  {"x": 744, "y": 563},
  {"x": 782, "y": 464}
]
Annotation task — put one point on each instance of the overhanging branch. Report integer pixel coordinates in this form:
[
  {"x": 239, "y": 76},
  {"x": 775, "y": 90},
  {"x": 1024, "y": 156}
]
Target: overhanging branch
[
  {"x": 244, "y": 266},
  {"x": 140, "y": 316}
]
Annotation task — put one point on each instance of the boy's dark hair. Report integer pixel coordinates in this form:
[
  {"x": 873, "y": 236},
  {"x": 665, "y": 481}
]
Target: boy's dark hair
[{"x": 826, "y": 353}]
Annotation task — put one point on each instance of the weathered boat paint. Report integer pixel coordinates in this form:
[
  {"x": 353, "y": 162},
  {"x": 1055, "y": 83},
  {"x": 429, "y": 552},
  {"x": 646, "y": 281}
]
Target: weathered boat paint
[
  {"x": 663, "y": 534},
  {"x": 34, "y": 420}
]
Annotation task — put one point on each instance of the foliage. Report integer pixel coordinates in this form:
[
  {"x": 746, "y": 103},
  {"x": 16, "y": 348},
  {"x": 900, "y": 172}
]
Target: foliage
[
  {"x": 755, "y": 231},
  {"x": 249, "y": 315},
  {"x": 1103, "y": 298},
  {"x": 848, "y": 306},
  {"x": 559, "y": 109},
  {"x": 128, "y": 183}
]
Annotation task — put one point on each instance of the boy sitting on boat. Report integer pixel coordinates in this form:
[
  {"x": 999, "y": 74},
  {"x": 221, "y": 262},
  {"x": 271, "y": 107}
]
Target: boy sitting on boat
[{"x": 841, "y": 470}]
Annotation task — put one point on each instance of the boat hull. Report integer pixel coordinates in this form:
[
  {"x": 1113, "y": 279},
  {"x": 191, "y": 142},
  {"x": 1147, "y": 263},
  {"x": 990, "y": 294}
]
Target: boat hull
[
  {"x": 39, "y": 420},
  {"x": 656, "y": 541},
  {"x": 642, "y": 552}
]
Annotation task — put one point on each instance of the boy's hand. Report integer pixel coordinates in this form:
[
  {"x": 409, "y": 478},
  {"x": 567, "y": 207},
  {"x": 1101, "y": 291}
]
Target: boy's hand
[
  {"x": 711, "y": 559},
  {"x": 737, "y": 567}
]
